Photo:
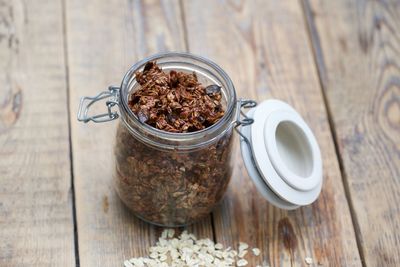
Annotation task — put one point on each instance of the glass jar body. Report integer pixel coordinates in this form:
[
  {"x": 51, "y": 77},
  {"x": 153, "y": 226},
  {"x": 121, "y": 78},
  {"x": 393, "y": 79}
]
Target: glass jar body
[
  {"x": 173, "y": 179},
  {"x": 171, "y": 188}
]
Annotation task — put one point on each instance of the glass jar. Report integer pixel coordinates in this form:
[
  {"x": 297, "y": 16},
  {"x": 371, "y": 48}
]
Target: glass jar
[{"x": 174, "y": 179}]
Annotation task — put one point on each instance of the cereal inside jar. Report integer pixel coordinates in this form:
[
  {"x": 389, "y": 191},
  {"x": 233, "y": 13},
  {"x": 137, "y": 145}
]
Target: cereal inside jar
[{"x": 173, "y": 146}]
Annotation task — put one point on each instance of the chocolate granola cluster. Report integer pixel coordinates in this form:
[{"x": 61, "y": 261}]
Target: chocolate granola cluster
[{"x": 175, "y": 101}]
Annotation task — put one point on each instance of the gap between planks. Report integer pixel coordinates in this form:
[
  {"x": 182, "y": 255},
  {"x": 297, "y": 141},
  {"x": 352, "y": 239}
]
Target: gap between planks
[{"x": 67, "y": 85}]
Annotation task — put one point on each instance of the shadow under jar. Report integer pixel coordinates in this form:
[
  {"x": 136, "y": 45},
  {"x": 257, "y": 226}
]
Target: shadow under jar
[{"x": 173, "y": 179}]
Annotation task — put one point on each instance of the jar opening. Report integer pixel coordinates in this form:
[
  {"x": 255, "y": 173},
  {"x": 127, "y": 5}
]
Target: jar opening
[{"x": 208, "y": 73}]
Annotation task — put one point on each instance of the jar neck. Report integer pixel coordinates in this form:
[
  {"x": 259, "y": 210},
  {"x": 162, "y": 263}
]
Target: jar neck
[{"x": 207, "y": 72}]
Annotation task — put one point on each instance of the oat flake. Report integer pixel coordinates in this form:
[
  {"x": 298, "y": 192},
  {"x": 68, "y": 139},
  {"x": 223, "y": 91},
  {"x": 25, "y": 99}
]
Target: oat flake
[
  {"x": 256, "y": 251},
  {"x": 308, "y": 260}
]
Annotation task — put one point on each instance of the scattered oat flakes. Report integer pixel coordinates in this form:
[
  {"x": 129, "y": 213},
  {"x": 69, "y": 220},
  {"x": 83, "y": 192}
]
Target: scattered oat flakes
[
  {"x": 171, "y": 233},
  {"x": 308, "y": 260},
  {"x": 154, "y": 255},
  {"x": 243, "y": 246},
  {"x": 137, "y": 262},
  {"x": 256, "y": 251},
  {"x": 164, "y": 234},
  {"x": 162, "y": 257},
  {"x": 188, "y": 251},
  {"x": 241, "y": 262},
  {"x": 219, "y": 246},
  {"x": 128, "y": 264},
  {"x": 242, "y": 253}
]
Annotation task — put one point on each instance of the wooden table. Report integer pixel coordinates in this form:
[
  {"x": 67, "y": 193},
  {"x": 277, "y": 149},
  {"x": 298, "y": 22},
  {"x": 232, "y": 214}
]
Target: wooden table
[{"x": 337, "y": 62}]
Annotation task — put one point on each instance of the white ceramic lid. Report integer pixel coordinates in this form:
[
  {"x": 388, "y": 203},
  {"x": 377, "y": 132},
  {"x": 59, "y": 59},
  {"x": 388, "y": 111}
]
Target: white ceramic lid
[{"x": 282, "y": 155}]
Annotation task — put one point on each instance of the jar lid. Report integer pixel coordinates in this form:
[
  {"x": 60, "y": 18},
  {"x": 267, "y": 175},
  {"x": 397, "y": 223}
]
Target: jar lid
[{"x": 281, "y": 155}]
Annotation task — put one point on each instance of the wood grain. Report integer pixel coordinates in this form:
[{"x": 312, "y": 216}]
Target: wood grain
[
  {"x": 104, "y": 40},
  {"x": 357, "y": 44},
  {"x": 264, "y": 47},
  {"x": 35, "y": 180}
]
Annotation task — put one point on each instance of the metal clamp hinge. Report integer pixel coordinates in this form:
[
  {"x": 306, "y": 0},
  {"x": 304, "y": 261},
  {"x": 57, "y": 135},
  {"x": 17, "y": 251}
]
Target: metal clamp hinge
[
  {"x": 242, "y": 119},
  {"x": 87, "y": 101}
]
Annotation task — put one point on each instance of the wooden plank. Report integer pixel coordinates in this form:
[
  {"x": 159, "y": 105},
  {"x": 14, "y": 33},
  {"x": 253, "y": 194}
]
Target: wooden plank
[
  {"x": 104, "y": 40},
  {"x": 357, "y": 44},
  {"x": 35, "y": 190},
  {"x": 264, "y": 47}
]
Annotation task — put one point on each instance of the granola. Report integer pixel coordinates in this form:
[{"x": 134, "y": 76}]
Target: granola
[
  {"x": 172, "y": 188},
  {"x": 175, "y": 102}
]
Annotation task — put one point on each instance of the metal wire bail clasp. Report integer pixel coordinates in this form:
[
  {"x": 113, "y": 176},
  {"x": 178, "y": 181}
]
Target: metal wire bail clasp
[
  {"x": 241, "y": 118},
  {"x": 87, "y": 101}
]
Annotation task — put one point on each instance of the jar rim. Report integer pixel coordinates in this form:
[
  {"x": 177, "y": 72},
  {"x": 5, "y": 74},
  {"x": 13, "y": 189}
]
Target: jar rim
[{"x": 231, "y": 102}]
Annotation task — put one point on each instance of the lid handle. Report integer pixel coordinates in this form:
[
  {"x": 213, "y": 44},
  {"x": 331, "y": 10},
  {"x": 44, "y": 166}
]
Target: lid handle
[{"x": 87, "y": 101}]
